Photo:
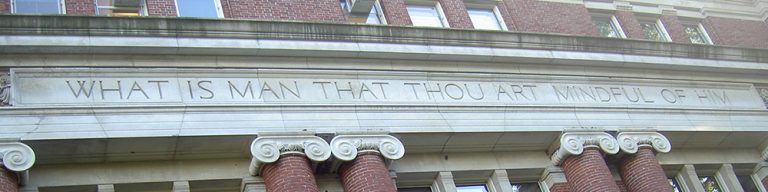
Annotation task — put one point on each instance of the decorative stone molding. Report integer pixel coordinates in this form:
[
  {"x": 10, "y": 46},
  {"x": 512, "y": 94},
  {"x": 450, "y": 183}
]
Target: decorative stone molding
[
  {"x": 5, "y": 89},
  {"x": 763, "y": 91},
  {"x": 268, "y": 149},
  {"x": 573, "y": 143},
  {"x": 345, "y": 147},
  {"x": 630, "y": 142},
  {"x": 17, "y": 156}
]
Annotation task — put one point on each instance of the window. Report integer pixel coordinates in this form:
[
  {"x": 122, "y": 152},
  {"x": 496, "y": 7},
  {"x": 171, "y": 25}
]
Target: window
[
  {"x": 525, "y": 187},
  {"x": 607, "y": 26},
  {"x": 37, "y": 6},
  {"x": 675, "y": 186},
  {"x": 426, "y": 15},
  {"x": 696, "y": 34},
  {"x": 120, "y": 7},
  {"x": 710, "y": 184},
  {"x": 654, "y": 31},
  {"x": 486, "y": 18},
  {"x": 199, "y": 8},
  {"x": 471, "y": 188},
  {"x": 414, "y": 189},
  {"x": 376, "y": 16}
]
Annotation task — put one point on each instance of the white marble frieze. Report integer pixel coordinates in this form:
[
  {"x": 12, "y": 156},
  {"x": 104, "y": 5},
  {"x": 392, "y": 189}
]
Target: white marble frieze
[{"x": 176, "y": 87}]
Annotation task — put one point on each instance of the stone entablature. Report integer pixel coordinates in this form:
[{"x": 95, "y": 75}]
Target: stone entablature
[
  {"x": 267, "y": 149},
  {"x": 573, "y": 143}
]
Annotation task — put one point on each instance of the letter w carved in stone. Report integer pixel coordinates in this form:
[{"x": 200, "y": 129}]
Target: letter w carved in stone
[{"x": 82, "y": 89}]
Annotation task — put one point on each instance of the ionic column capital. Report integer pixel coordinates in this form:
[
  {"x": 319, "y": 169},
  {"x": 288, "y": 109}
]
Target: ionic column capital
[
  {"x": 17, "y": 156},
  {"x": 267, "y": 149},
  {"x": 630, "y": 142},
  {"x": 345, "y": 147},
  {"x": 573, "y": 143}
]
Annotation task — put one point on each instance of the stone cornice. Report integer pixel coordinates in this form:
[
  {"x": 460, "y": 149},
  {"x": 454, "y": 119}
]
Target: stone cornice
[
  {"x": 630, "y": 142},
  {"x": 267, "y": 149},
  {"x": 346, "y": 147},
  {"x": 573, "y": 143},
  {"x": 148, "y": 27},
  {"x": 16, "y": 156}
]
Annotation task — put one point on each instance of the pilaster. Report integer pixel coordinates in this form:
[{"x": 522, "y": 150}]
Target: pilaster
[
  {"x": 552, "y": 176},
  {"x": 253, "y": 184},
  {"x": 728, "y": 179},
  {"x": 499, "y": 181},
  {"x": 759, "y": 175},
  {"x": 181, "y": 186},
  {"x": 689, "y": 180},
  {"x": 105, "y": 188},
  {"x": 444, "y": 182}
]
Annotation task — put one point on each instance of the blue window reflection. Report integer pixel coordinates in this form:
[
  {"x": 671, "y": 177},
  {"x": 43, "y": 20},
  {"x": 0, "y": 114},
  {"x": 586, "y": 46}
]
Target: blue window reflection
[
  {"x": 37, "y": 6},
  {"x": 197, "y": 8}
]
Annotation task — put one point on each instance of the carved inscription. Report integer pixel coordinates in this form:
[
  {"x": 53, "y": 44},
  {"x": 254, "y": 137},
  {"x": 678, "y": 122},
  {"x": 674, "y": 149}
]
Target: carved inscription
[{"x": 236, "y": 89}]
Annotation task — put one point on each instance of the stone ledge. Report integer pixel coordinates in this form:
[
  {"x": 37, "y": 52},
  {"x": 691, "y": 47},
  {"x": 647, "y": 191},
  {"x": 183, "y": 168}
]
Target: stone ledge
[{"x": 256, "y": 29}]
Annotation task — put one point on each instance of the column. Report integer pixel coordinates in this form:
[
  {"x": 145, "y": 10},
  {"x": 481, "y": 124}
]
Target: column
[
  {"x": 499, "y": 181},
  {"x": 639, "y": 168},
  {"x": 582, "y": 162},
  {"x": 554, "y": 180},
  {"x": 364, "y": 157},
  {"x": 17, "y": 158},
  {"x": 284, "y": 161}
]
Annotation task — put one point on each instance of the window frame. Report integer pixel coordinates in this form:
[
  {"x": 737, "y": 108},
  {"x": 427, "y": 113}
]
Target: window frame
[
  {"x": 614, "y": 22},
  {"x": 142, "y": 8},
  {"x": 701, "y": 29},
  {"x": 659, "y": 26},
  {"x": 438, "y": 8},
  {"x": 485, "y": 185},
  {"x": 62, "y": 8},
  {"x": 379, "y": 13},
  {"x": 217, "y": 6},
  {"x": 494, "y": 8}
]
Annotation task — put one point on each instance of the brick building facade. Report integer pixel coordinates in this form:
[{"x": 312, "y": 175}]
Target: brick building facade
[{"x": 373, "y": 95}]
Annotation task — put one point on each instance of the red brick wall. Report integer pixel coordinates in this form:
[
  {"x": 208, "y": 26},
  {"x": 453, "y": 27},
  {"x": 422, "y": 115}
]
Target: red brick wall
[
  {"x": 456, "y": 14},
  {"x": 629, "y": 24},
  {"x": 549, "y": 17},
  {"x": 737, "y": 32},
  {"x": 560, "y": 187},
  {"x": 588, "y": 172},
  {"x": 674, "y": 27},
  {"x": 396, "y": 12},
  {"x": 8, "y": 180},
  {"x": 304, "y": 10},
  {"x": 292, "y": 172},
  {"x": 366, "y": 173},
  {"x": 5, "y": 6},
  {"x": 80, "y": 7},
  {"x": 161, "y": 7},
  {"x": 642, "y": 172}
]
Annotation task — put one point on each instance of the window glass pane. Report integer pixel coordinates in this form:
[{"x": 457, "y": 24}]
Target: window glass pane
[
  {"x": 710, "y": 184},
  {"x": 414, "y": 189},
  {"x": 37, "y": 6},
  {"x": 652, "y": 31},
  {"x": 424, "y": 16},
  {"x": 747, "y": 182},
  {"x": 605, "y": 27},
  {"x": 373, "y": 16},
  {"x": 484, "y": 19},
  {"x": 472, "y": 188},
  {"x": 675, "y": 186},
  {"x": 120, "y": 7},
  {"x": 343, "y": 4},
  {"x": 525, "y": 187},
  {"x": 197, "y": 8},
  {"x": 694, "y": 34}
]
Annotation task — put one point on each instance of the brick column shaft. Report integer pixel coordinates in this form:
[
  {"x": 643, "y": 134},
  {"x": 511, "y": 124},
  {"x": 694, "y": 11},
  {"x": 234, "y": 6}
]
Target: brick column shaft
[
  {"x": 588, "y": 172},
  {"x": 8, "y": 180},
  {"x": 642, "y": 172},
  {"x": 292, "y": 172},
  {"x": 366, "y": 173}
]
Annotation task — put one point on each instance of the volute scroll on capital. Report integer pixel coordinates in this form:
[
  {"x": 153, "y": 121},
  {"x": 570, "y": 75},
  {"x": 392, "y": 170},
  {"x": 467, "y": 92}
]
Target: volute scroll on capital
[
  {"x": 573, "y": 143},
  {"x": 630, "y": 142},
  {"x": 346, "y": 147},
  {"x": 17, "y": 156},
  {"x": 267, "y": 149}
]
